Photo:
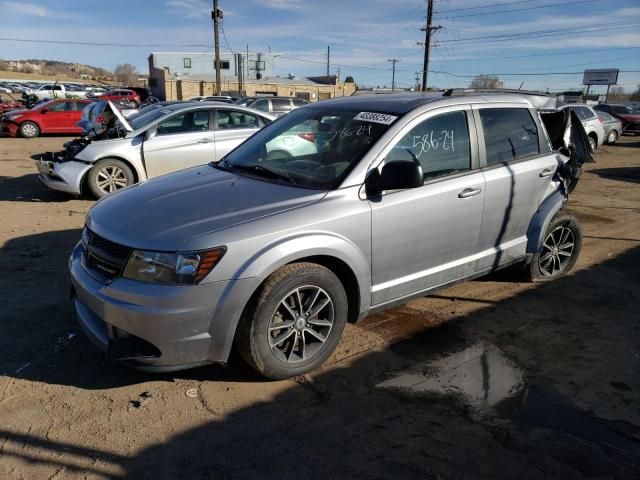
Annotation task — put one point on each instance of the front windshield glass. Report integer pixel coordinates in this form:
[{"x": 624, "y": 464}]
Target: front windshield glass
[
  {"x": 622, "y": 109},
  {"x": 310, "y": 147},
  {"x": 141, "y": 120}
]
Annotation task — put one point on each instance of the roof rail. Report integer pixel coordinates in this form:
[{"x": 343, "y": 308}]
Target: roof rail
[{"x": 459, "y": 92}]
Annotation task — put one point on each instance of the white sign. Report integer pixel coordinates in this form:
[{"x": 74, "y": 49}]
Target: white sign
[
  {"x": 600, "y": 76},
  {"x": 375, "y": 117}
]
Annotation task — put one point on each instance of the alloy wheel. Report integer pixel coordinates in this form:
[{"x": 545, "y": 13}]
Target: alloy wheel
[
  {"x": 29, "y": 130},
  {"x": 110, "y": 179},
  {"x": 557, "y": 251},
  {"x": 301, "y": 324}
]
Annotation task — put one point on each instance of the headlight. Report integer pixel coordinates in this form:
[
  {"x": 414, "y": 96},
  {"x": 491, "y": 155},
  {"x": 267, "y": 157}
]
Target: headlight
[
  {"x": 172, "y": 268},
  {"x": 13, "y": 117}
]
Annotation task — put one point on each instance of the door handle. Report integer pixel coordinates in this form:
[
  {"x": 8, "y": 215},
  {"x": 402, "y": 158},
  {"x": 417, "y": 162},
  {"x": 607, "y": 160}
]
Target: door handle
[
  {"x": 546, "y": 172},
  {"x": 205, "y": 140},
  {"x": 469, "y": 192}
]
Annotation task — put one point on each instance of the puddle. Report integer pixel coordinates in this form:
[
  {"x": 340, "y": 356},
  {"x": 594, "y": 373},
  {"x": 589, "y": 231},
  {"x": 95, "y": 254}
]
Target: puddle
[
  {"x": 480, "y": 373},
  {"x": 483, "y": 378}
]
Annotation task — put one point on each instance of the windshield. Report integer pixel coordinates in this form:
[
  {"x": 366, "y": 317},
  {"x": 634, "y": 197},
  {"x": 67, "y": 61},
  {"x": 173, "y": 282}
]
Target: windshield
[
  {"x": 145, "y": 118},
  {"x": 310, "y": 147},
  {"x": 621, "y": 109}
]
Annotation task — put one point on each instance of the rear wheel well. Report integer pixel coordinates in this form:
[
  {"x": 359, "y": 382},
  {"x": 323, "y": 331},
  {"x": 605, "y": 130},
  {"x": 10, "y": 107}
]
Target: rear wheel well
[
  {"x": 594, "y": 135},
  {"x": 126, "y": 162}
]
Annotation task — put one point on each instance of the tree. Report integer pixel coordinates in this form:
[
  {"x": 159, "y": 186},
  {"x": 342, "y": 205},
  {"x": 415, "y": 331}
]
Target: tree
[
  {"x": 485, "y": 81},
  {"x": 617, "y": 95},
  {"x": 126, "y": 74},
  {"x": 349, "y": 79},
  {"x": 635, "y": 95}
]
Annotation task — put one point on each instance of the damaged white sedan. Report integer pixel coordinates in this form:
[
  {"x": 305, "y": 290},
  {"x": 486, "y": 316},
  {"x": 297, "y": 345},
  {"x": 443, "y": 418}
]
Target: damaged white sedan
[{"x": 115, "y": 152}]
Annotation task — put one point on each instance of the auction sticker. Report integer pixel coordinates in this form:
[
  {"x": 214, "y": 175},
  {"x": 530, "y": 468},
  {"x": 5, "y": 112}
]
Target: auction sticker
[{"x": 375, "y": 117}]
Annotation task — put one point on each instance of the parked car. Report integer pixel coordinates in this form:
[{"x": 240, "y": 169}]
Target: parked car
[
  {"x": 245, "y": 101},
  {"x": 275, "y": 256},
  {"x": 119, "y": 96},
  {"x": 612, "y": 127},
  {"x": 591, "y": 124},
  {"x": 630, "y": 121},
  {"x": 53, "y": 90},
  {"x": 5, "y": 89},
  {"x": 277, "y": 105},
  {"x": 143, "y": 93},
  {"x": 155, "y": 143},
  {"x": 55, "y": 116}
]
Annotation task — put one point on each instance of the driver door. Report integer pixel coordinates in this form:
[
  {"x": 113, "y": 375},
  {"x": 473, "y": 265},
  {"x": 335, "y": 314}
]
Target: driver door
[
  {"x": 182, "y": 140},
  {"x": 427, "y": 236}
]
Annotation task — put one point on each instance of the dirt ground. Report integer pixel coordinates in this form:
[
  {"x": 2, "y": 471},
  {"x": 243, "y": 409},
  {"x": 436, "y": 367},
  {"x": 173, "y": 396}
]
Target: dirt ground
[{"x": 494, "y": 378}]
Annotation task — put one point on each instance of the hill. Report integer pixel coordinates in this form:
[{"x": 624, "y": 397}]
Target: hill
[{"x": 54, "y": 68}]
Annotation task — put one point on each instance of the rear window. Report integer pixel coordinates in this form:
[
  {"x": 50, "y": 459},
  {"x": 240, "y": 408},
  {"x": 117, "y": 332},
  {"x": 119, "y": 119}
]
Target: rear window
[
  {"x": 281, "y": 104},
  {"x": 509, "y": 134}
]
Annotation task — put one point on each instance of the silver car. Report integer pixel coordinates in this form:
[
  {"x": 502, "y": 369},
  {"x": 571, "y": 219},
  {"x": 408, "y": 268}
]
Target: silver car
[
  {"x": 591, "y": 123},
  {"x": 404, "y": 195},
  {"x": 155, "y": 142}
]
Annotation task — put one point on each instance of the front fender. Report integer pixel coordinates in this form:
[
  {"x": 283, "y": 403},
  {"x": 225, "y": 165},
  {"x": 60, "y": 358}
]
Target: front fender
[
  {"x": 541, "y": 219},
  {"x": 250, "y": 275}
]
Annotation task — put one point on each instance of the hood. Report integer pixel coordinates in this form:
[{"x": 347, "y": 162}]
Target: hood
[
  {"x": 93, "y": 111},
  {"x": 165, "y": 212},
  {"x": 16, "y": 112}
]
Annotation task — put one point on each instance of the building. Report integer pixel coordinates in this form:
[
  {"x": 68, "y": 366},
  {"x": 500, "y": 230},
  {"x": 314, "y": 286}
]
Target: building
[{"x": 182, "y": 75}]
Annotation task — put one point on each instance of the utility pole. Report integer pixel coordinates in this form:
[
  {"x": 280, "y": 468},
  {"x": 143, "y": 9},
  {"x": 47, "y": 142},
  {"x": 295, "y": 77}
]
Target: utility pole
[
  {"x": 393, "y": 74},
  {"x": 216, "y": 14},
  {"x": 427, "y": 42},
  {"x": 417, "y": 74},
  {"x": 328, "y": 55}
]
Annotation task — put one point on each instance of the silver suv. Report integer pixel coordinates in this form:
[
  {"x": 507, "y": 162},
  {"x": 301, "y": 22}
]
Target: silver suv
[{"x": 273, "y": 254}]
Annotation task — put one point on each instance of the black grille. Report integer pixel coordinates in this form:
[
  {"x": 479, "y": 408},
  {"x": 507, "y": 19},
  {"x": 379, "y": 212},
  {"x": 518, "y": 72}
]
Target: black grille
[{"x": 103, "y": 256}]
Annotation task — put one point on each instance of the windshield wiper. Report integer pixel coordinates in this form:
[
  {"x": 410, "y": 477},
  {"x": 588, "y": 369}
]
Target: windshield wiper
[{"x": 262, "y": 171}]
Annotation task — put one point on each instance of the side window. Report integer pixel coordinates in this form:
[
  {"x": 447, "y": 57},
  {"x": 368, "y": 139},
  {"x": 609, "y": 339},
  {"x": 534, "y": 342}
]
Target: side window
[
  {"x": 509, "y": 134},
  {"x": 57, "y": 87},
  {"x": 281, "y": 104},
  {"x": 440, "y": 144},
  {"x": 588, "y": 114},
  {"x": 261, "y": 105},
  {"x": 60, "y": 107},
  {"x": 298, "y": 102},
  {"x": 230, "y": 119},
  {"x": 79, "y": 106},
  {"x": 579, "y": 111},
  {"x": 187, "y": 122}
]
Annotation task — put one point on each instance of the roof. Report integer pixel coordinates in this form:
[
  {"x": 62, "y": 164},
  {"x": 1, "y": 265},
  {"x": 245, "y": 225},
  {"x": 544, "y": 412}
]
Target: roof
[{"x": 401, "y": 103}]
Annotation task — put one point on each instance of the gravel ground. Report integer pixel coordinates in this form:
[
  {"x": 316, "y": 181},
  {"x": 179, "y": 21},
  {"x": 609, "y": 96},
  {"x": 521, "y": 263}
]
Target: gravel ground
[{"x": 493, "y": 378}]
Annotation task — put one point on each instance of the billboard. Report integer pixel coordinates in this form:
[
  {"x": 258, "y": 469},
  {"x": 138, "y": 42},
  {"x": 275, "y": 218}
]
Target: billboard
[{"x": 600, "y": 76}]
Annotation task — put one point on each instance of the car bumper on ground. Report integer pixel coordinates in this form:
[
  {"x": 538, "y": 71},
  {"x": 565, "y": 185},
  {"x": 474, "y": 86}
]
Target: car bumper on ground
[
  {"x": 63, "y": 176},
  {"x": 154, "y": 327}
]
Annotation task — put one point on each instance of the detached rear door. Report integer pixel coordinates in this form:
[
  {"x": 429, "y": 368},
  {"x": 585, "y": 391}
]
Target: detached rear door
[{"x": 183, "y": 140}]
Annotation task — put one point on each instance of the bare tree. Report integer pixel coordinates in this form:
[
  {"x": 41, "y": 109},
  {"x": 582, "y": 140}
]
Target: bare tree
[
  {"x": 636, "y": 95},
  {"x": 126, "y": 74},
  {"x": 485, "y": 81},
  {"x": 617, "y": 95}
]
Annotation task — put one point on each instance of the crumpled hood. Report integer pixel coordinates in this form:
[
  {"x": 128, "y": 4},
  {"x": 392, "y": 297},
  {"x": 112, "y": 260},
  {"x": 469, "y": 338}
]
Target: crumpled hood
[
  {"x": 15, "y": 112},
  {"x": 165, "y": 212}
]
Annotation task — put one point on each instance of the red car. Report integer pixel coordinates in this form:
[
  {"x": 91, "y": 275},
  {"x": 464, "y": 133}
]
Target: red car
[
  {"x": 120, "y": 94},
  {"x": 56, "y": 116},
  {"x": 630, "y": 121}
]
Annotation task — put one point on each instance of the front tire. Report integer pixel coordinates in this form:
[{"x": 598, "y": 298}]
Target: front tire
[
  {"x": 593, "y": 143},
  {"x": 560, "y": 250},
  {"x": 29, "y": 130},
  {"x": 294, "y": 322},
  {"x": 108, "y": 176}
]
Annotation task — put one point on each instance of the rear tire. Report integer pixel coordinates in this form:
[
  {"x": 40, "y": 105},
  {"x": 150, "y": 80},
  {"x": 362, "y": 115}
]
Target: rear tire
[
  {"x": 109, "y": 175},
  {"x": 29, "y": 130},
  {"x": 612, "y": 137},
  {"x": 561, "y": 248},
  {"x": 294, "y": 322}
]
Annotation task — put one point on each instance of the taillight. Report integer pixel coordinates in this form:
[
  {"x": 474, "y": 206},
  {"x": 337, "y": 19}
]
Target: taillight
[{"x": 307, "y": 136}]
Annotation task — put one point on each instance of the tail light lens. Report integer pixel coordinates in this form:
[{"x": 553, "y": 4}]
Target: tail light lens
[{"x": 308, "y": 136}]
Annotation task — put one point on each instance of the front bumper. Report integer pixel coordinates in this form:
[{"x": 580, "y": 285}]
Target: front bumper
[
  {"x": 172, "y": 327},
  {"x": 63, "y": 176},
  {"x": 631, "y": 127},
  {"x": 9, "y": 128}
]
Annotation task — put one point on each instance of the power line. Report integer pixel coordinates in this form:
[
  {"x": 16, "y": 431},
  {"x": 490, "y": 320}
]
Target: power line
[
  {"x": 484, "y": 6},
  {"x": 566, "y": 52},
  {"x": 101, "y": 44},
  {"x": 495, "y": 12}
]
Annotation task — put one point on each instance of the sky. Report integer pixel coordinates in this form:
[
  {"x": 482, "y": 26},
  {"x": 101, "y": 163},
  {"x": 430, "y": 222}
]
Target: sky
[{"x": 544, "y": 43}]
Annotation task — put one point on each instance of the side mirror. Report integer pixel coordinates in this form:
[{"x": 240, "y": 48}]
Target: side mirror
[
  {"x": 152, "y": 132},
  {"x": 395, "y": 175},
  {"x": 43, "y": 111}
]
